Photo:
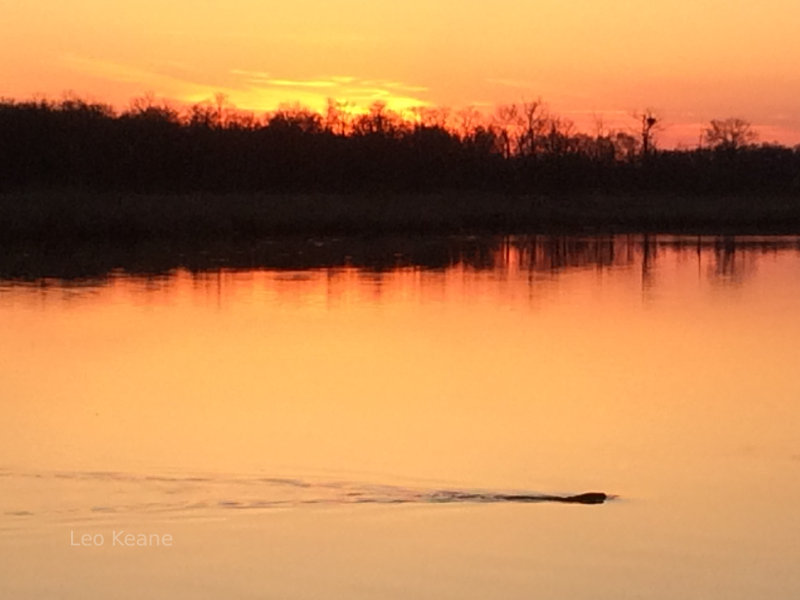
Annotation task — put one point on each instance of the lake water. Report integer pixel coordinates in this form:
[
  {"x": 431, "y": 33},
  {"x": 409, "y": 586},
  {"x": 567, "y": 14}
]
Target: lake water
[{"x": 344, "y": 419}]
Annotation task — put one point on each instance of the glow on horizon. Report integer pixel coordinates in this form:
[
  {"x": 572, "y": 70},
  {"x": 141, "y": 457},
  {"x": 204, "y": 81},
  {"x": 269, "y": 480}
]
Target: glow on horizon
[{"x": 689, "y": 60}]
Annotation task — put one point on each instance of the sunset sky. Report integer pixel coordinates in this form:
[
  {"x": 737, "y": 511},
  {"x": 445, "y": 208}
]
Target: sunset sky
[{"x": 689, "y": 60}]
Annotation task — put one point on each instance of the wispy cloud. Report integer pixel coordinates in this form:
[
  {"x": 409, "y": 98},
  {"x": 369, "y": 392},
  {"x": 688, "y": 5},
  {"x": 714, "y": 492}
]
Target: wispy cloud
[
  {"x": 316, "y": 91},
  {"x": 252, "y": 89},
  {"x": 168, "y": 79},
  {"x": 253, "y": 75},
  {"x": 345, "y": 82},
  {"x": 301, "y": 84}
]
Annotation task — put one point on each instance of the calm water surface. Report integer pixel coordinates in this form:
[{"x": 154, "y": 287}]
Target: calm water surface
[{"x": 312, "y": 420}]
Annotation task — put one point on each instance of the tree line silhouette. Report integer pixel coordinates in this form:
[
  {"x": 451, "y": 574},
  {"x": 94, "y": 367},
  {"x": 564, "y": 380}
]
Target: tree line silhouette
[{"x": 152, "y": 147}]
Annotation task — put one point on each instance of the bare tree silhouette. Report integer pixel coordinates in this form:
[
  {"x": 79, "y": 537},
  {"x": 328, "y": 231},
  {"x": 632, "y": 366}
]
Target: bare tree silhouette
[{"x": 729, "y": 134}]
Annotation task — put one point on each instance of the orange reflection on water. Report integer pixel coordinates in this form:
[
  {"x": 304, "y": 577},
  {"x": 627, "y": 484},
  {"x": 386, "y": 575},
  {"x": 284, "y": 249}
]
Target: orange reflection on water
[
  {"x": 494, "y": 374},
  {"x": 664, "y": 374}
]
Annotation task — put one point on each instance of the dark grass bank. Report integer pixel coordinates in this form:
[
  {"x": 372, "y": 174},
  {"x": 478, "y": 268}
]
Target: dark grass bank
[{"x": 124, "y": 217}]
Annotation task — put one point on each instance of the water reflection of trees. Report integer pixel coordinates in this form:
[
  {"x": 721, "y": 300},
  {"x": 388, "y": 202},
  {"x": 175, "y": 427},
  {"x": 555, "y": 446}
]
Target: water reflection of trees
[{"x": 726, "y": 259}]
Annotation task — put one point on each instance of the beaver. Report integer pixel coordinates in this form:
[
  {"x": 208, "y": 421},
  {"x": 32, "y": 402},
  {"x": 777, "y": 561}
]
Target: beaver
[{"x": 585, "y": 498}]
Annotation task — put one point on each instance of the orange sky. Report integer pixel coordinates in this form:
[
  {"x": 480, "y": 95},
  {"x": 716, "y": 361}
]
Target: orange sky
[{"x": 690, "y": 60}]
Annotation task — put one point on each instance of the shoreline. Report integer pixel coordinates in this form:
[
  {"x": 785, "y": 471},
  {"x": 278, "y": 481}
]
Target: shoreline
[{"x": 79, "y": 216}]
